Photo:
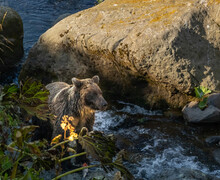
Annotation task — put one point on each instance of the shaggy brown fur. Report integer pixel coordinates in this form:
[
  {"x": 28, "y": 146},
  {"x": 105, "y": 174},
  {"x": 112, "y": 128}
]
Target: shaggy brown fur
[{"x": 79, "y": 100}]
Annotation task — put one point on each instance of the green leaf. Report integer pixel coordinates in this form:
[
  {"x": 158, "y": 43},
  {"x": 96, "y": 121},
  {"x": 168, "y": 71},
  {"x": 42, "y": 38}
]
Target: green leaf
[
  {"x": 205, "y": 90},
  {"x": 29, "y": 87},
  {"x": 33, "y": 148},
  {"x": 199, "y": 93},
  {"x": 118, "y": 164},
  {"x": 6, "y": 176},
  {"x": 33, "y": 92},
  {"x": 33, "y": 99},
  {"x": 31, "y": 174},
  {"x": 10, "y": 92},
  {"x": 6, "y": 164},
  {"x": 42, "y": 95},
  {"x": 12, "y": 89},
  {"x": 203, "y": 104},
  {"x": 99, "y": 146}
]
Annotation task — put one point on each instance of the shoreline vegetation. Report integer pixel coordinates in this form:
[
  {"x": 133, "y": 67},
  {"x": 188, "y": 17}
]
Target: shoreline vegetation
[{"x": 17, "y": 148}]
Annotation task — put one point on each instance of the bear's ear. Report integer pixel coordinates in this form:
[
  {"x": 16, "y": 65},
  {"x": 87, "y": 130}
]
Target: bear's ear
[
  {"x": 77, "y": 82},
  {"x": 95, "y": 79}
]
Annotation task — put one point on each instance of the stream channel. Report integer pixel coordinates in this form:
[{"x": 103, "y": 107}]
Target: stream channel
[{"x": 158, "y": 147}]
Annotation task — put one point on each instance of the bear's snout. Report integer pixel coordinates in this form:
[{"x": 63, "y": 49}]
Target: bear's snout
[
  {"x": 101, "y": 103},
  {"x": 104, "y": 104}
]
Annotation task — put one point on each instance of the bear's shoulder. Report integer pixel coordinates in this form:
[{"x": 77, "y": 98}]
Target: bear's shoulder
[{"x": 57, "y": 85}]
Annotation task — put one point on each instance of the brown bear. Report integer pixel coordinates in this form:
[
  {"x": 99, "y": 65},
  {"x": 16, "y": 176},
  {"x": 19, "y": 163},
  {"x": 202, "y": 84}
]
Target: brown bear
[{"x": 79, "y": 100}]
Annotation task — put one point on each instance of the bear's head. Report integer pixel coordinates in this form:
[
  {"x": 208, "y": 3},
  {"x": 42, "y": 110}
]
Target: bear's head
[{"x": 90, "y": 93}]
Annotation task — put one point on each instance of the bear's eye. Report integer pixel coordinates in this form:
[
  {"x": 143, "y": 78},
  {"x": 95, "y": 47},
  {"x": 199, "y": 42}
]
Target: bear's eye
[{"x": 91, "y": 95}]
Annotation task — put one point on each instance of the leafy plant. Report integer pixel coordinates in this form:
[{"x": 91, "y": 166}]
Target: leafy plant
[
  {"x": 32, "y": 96},
  {"x": 25, "y": 159},
  {"x": 101, "y": 148},
  {"x": 21, "y": 152},
  {"x": 201, "y": 93},
  {"x": 22, "y": 159}
]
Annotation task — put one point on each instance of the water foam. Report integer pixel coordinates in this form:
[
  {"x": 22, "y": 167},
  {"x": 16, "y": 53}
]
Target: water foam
[
  {"x": 106, "y": 120},
  {"x": 162, "y": 156},
  {"x": 169, "y": 160},
  {"x": 134, "y": 109}
]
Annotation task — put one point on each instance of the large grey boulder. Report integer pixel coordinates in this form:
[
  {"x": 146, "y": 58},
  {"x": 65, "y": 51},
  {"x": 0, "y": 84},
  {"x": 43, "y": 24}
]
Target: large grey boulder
[
  {"x": 11, "y": 38},
  {"x": 159, "y": 50},
  {"x": 211, "y": 114}
]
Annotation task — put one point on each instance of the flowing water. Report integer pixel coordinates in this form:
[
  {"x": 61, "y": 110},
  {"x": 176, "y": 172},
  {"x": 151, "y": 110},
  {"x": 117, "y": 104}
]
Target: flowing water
[{"x": 157, "y": 147}]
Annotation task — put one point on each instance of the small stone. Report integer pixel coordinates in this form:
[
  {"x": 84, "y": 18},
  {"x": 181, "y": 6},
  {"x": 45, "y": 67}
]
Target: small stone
[{"x": 192, "y": 113}]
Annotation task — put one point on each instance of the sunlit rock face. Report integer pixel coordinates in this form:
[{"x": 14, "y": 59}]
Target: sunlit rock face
[{"x": 158, "y": 50}]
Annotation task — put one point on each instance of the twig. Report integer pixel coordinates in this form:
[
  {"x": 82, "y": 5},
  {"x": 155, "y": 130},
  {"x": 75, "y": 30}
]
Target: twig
[
  {"x": 69, "y": 157},
  {"x": 74, "y": 170},
  {"x": 59, "y": 144},
  {"x": 17, "y": 150}
]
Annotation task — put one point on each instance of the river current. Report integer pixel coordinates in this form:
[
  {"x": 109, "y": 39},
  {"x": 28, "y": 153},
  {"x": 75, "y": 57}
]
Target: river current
[{"x": 158, "y": 147}]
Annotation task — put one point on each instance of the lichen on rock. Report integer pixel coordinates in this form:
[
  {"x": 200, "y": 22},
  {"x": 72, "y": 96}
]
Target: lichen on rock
[{"x": 159, "y": 50}]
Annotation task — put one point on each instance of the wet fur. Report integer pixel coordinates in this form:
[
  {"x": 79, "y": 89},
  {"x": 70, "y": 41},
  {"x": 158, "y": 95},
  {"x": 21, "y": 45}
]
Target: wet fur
[{"x": 69, "y": 100}]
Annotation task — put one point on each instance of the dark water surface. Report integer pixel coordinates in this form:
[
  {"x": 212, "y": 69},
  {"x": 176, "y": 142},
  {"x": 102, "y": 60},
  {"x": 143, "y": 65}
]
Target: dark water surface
[
  {"x": 38, "y": 16},
  {"x": 158, "y": 147}
]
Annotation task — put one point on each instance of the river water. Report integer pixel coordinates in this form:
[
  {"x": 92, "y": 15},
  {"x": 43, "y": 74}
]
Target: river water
[
  {"x": 38, "y": 16},
  {"x": 157, "y": 147}
]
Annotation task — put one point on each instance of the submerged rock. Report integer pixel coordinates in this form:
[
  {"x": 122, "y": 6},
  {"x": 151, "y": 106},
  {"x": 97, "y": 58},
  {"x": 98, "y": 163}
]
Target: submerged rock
[
  {"x": 11, "y": 38},
  {"x": 216, "y": 154},
  {"x": 156, "y": 50},
  {"x": 211, "y": 114},
  {"x": 213, "y": 140}
]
